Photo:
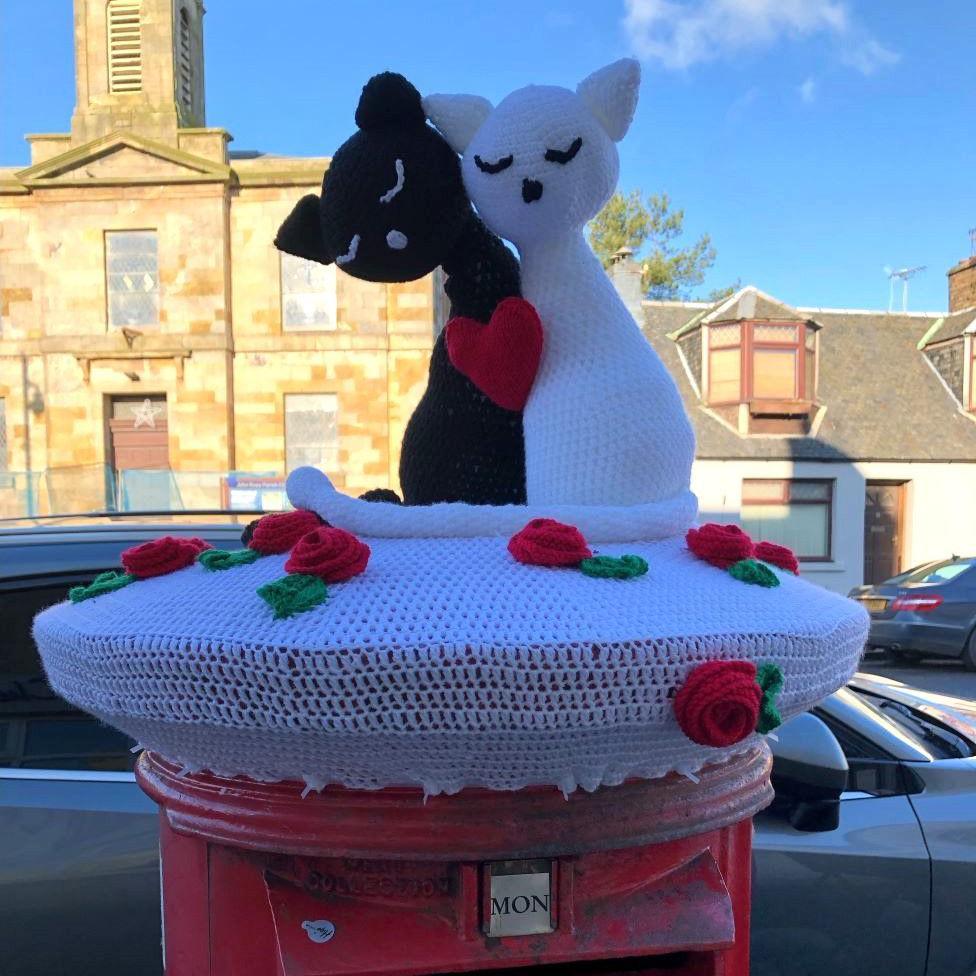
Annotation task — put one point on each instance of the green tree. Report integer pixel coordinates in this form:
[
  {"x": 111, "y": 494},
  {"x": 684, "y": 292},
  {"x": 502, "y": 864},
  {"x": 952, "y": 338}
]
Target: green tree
[
  {"x": 652, "y": 229},
  {"x": 717, "y": 294}
]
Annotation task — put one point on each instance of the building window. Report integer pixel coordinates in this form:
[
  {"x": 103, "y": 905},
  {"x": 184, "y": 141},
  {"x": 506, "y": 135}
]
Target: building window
[
  {"x": 308, "y": 295},
  {"x": 312, "y": 431},
  {"x": 185, "y": 63},
  {"x": 793, "y": 513},
  {"x": 725, "y": 363},
  {"x": 3, "y": 435},
  {"x": 762, "y": 361},
  {"x": 124, "y": 46},
  {"x": 132, "y": 276}
]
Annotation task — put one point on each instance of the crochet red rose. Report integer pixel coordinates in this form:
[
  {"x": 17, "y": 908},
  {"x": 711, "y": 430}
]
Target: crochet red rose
[
  {"x": 719, "y": 703},
  {"x": 277, "y": 533},
  {"x": 161, "y": 556},
  {"x": 720, "y": 545},
  {"x": 546, "y": 542},
  {"x": 330, "y": 554},
  {"x": 777, "y": 555}
]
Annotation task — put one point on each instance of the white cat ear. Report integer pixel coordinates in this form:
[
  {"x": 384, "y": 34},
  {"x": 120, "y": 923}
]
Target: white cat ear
[
  {"x": 610, "y": 93},
  {"x": 457, "y": 117}
]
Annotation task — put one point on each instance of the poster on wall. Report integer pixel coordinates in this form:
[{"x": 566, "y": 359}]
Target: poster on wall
[{"x": 242, "y": 491}]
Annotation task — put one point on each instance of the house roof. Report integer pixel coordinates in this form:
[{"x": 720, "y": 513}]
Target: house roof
[
  {"x": 951, "y": 326},
  {"x": 883, "y": 399},
  {"x": 749, "y": 303}
]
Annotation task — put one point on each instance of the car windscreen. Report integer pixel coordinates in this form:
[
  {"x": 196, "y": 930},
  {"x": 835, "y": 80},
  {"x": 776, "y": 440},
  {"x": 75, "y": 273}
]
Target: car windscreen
[
  {"x": 935, "y": 573},
  {"x": 937, "y": 738}
]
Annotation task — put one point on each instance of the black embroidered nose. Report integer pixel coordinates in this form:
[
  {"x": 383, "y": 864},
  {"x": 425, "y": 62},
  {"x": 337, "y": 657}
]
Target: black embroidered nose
[{"x": 531, "y": 190}]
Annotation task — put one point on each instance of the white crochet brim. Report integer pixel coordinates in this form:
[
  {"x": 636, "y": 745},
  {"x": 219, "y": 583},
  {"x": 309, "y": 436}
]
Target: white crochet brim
[{"x": 445, "y": 665}]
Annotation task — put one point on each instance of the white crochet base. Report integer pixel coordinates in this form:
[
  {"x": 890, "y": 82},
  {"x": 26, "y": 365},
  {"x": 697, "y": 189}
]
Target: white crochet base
[{"x": 447, "y": 664}]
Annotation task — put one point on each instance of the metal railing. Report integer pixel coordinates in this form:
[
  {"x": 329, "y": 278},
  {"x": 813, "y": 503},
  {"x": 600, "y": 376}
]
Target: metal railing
[{"x": 82, "y": 489}]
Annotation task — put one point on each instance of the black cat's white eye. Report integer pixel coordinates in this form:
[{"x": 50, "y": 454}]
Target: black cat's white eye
[
  {"x": 495, "y": 167},
  {"x": 565, "y": 155}
]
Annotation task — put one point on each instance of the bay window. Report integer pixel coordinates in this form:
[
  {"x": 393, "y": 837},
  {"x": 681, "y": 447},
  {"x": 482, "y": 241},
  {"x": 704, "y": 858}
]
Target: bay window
[{"x": 761, "y": 361}]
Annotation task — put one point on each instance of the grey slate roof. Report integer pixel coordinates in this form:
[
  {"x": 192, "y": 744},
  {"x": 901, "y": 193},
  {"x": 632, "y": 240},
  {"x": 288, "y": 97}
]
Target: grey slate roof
[
  {"x": 952, "y": 326},
  {"x": 884, "y": 400},
  {"x": 750, "y": 303}
]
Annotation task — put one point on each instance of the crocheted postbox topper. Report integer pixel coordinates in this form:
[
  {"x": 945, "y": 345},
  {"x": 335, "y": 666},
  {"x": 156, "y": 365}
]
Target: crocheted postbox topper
[{"x": 587, "y": 633}]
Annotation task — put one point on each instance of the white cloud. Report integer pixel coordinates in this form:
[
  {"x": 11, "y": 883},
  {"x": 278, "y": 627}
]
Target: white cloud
[
  {"x": 868, "y": 55},
  {"x": 808, "y": 90},
  {"x": 679, "y": 34}
]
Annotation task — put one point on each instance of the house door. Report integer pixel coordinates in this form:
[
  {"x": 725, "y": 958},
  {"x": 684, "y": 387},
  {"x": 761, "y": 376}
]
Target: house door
[
  {"x": 884, "y": 514},
  {"x": 138, "y": 452}
]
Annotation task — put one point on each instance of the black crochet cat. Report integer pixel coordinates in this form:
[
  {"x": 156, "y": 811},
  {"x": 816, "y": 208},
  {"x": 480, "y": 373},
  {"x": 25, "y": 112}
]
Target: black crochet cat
[{"x": 393, "y": 208}]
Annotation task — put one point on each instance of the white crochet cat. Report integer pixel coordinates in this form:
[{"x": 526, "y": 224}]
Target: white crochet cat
[{"x": 604, "y": 424}]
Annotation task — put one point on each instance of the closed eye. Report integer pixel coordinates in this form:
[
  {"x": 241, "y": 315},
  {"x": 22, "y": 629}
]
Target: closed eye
[
  {"x": 495, "y": 167},
  {"x": 565, "y": 155}
]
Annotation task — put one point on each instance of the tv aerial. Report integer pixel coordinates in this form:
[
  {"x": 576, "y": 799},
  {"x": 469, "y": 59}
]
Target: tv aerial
[{"x": 904, "y": 274}]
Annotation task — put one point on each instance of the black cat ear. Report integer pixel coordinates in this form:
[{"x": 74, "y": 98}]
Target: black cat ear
[
  {"x": 301, "y": 232},
  {"x": 389, "y": 99}
]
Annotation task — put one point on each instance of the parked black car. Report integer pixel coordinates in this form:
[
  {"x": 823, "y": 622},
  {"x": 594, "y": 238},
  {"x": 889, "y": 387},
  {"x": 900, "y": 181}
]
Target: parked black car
[{"x": 929, "y": 610}]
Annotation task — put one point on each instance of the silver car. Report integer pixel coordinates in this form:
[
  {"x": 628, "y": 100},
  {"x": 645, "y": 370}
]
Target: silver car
[{"x": 865, "y": 863}]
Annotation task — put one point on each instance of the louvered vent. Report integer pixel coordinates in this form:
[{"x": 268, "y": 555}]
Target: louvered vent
[
  {"x": 185, "y": 71},
  {"x": 124, "y": 46}
]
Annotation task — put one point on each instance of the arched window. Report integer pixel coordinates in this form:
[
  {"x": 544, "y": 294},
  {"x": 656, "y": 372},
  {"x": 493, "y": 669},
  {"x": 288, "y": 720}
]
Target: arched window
[
  {"x": 124, "y": 46},
  {"x": 185, "y": 63}
]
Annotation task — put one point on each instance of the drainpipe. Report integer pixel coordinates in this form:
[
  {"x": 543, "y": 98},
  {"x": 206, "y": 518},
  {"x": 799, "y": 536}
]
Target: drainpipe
[{"x": 25, "y": 382}]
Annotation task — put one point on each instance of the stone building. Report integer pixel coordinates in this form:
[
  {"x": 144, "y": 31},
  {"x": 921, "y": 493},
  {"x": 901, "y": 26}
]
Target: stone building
[{"x": 156, "y": 350}]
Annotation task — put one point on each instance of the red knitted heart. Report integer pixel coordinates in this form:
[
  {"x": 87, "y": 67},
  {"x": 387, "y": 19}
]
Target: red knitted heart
[{"x": 502, "y": 357}]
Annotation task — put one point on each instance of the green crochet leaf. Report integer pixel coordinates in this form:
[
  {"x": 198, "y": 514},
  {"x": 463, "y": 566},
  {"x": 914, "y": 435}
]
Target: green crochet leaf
[
  {"x": 103, "y": 583},
  {"x": 294, "y": 593},
  {"x": 614, "y": 567},
  {"x": 752, "y": 571},
  {"x": 217, "y": 559},
  {"x": 769, "y": 677}
]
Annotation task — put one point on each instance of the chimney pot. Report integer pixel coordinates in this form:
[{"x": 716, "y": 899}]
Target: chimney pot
[{"x": 626, "y": 273}]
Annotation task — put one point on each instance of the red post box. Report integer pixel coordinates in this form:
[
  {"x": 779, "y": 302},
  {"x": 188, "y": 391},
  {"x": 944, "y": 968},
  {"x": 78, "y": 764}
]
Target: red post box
[{"x": 645, "y": 877}]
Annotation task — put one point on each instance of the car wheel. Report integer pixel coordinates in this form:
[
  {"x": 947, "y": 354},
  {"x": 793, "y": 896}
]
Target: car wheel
[{"x": 969, "y": 653}]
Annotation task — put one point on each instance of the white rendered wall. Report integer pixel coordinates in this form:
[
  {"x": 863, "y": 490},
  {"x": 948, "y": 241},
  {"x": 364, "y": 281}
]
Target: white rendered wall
[{"x": 940, "y": 507}]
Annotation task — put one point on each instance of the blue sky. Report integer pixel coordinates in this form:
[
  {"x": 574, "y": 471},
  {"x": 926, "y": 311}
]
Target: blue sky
[{"x": 815, "y": 140}]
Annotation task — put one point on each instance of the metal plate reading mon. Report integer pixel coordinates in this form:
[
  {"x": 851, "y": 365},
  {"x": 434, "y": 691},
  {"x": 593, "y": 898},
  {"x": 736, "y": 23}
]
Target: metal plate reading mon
[{"x": 520, "y": 898}]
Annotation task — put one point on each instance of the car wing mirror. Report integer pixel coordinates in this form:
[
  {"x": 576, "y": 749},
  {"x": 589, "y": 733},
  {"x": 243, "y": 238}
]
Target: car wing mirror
[{"x": 809, "y": 773}]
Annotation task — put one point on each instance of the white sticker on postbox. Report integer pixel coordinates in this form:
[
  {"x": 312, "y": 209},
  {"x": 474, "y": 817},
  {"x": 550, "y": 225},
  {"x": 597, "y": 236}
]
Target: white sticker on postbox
[{"x": 520, "y": 904}]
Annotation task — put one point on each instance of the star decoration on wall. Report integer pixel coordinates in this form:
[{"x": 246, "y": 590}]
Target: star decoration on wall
[{"x": 146, "y": 413}]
